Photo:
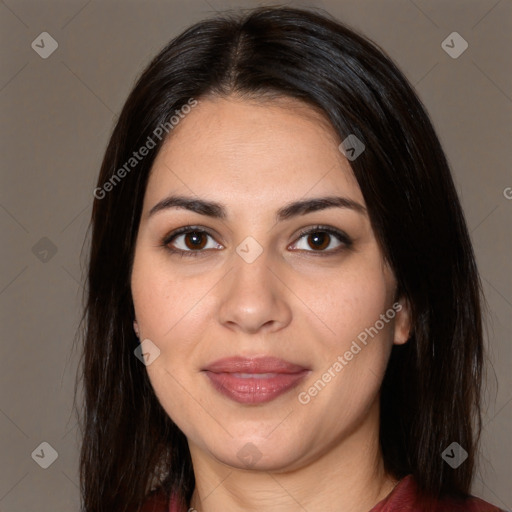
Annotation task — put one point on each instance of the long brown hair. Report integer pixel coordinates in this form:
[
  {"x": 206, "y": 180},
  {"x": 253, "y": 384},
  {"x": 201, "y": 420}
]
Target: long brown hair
[{"x": 431, "y": 391}]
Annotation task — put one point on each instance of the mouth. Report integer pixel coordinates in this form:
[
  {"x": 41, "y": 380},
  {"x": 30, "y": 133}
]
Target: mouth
[{"x": 254, "y": 380}]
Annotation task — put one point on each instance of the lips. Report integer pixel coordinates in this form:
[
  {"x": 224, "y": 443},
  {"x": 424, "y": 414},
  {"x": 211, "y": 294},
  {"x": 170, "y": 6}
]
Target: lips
[{"x": 254, "y": 380}]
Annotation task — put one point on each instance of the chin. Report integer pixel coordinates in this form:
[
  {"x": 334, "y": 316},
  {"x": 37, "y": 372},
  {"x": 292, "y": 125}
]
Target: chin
[{"x": 257, "y": 453}]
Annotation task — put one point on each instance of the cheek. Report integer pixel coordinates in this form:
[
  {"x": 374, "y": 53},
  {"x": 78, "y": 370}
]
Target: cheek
[
  {"x": 167, "y": 314},
  {"x": 177, "y": 395},
  {"x": 349, "y": 301},
  {"x": 353, "y": 352},
  {"x": 163, "y": 300}
]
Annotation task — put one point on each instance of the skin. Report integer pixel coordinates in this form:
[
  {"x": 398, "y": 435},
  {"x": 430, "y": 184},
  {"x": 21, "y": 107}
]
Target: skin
[{"x": 292, "y": 302}]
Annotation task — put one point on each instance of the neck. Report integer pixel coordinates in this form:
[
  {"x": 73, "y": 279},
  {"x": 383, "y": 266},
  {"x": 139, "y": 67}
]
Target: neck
[{"x": 350, "y": 474}]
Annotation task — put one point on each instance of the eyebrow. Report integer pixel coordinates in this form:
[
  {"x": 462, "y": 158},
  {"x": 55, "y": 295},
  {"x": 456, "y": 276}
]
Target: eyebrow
[{"x": 294, "y": 209}]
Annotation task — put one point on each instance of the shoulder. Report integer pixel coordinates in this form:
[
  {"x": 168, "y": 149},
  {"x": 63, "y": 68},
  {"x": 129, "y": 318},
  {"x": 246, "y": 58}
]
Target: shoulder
[
  {"x": 157, "y": 501},
  {"x": 405, "y": 498}
]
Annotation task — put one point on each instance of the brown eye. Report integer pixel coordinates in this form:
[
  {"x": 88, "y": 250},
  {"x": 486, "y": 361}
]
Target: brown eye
[
  {"x": 189, "y": 241},
  {"x": 195, "y": 240},
  {"x": 323, "y": 240},
  {"x": 319, "y": 240}
]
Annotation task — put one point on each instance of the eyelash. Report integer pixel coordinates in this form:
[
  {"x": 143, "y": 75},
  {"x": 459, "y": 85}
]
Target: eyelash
[{"x": 340, "y": 235}]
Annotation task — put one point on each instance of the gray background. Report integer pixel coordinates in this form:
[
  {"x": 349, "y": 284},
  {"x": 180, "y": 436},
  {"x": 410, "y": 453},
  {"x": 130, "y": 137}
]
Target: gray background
[{"x": 57, "y": 115}]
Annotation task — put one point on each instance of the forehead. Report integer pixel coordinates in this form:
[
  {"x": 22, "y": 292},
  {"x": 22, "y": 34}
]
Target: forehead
[{"x": 247, "y": 150}]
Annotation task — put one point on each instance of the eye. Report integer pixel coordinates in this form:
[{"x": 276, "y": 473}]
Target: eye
[
  {"x": 193, "y": 241},
  {"x": 320, "y": 239},
  {"x": 189, "y": 241}
]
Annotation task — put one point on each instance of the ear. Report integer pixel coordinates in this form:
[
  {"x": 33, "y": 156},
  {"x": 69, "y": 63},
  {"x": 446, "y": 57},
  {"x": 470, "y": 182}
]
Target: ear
[
  {"x": 402, "y": 321},
  {"x": 136, "y": 328}
]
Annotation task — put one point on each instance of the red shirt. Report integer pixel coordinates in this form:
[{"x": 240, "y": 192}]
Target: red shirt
[{"x": 403, "y": 498}]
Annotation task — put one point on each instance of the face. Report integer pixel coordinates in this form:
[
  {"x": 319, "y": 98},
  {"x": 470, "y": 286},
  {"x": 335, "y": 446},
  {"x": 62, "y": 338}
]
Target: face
[{"x": 274, "y": 312}]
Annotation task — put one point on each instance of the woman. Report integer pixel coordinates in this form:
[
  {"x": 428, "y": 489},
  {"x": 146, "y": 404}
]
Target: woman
[{"x": 284, "y": 307}]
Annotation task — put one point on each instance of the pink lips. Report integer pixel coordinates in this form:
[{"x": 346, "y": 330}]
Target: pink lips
[{"x": 254, "y": 380}]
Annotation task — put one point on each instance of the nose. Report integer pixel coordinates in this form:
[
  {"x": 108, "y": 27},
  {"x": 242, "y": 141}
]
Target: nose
[{"x": 253, "y": 297}]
